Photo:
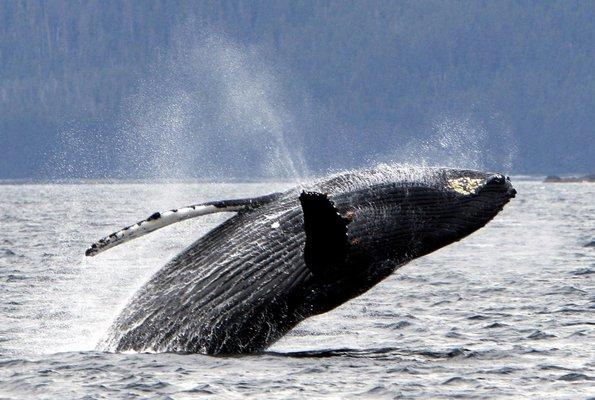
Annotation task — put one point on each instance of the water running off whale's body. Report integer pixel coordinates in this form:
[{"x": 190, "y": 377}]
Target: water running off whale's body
[{"x": 287, "y": 256}]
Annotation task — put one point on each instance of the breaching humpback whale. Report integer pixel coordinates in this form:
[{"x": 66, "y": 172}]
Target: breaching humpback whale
[{"x": 287, "y": 256}]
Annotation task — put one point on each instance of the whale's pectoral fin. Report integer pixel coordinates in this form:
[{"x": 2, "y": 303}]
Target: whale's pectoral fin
[
  {"x": 159, "y": 220},
  {"x": 326, "y": 234}
]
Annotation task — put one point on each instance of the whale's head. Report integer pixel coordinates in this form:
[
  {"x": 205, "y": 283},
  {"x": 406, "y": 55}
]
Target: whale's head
[
  {"x": 408, "y": 218},
  {"x": 390, "y": 221}
]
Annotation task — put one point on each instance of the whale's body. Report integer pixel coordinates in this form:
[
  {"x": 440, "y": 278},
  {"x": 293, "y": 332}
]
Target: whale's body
[{"x": 303, "y": 252}]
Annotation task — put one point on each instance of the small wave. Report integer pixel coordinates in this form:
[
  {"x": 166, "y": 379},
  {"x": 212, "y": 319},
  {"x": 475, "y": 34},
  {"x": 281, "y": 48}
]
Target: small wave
[
  {"x": 477, "y": 318},
  {"x": 573, "y": 377},
  {"x": 571, "y": 310},
  {"x": 202, "y": 389},
  {"x": 146, "y": 387},
  {"x": 568, "y": 290},
  {"x": 342, "y": 352},
  {"x": 16, "y": 278},
  {"x": 411, "y": 278},
  {"x": 441, "y": 302},
  {"x": 535, "y": 351},
  {"x": 376, "y": 391},
  {"x": 502, "y": 371},
  {"x": 456, "y": 352},
  {"x": 493, "y": 289},
  {"x": 385, "y": 352},
  {"x": 496, "y": 325},
  {"x": 394, "y": 326},
  {"x": 440, "y": 283},
  {"x": 577, "y": 334},
  {"x": 9, "y": 253},
  {"x": 550, "y": 367},
  {"x": 48, "y": 372},
  {"x": 574, "y": 323},
  {"x": 538, "y": 335},
  {"x": 383, "y": 314},
  {"x": 455, "y": 380},
  {"x": 582, "y": 271},
  {"x": 13, "y": 363},
  {"x": 453, "y": 334}
]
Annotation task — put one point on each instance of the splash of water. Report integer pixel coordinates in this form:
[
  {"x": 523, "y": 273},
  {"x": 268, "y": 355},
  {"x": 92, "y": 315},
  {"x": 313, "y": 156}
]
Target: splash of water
[
  {"x": 461, "y": 143},
  {"x": 216, "y": 111},
  {"x": 212, "y": 111}
]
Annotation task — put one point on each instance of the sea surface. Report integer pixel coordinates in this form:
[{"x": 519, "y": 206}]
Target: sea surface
[{"x": 508, "y": 312}]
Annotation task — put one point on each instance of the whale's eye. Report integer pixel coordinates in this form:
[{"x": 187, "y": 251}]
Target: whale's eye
[{"x": 465, "y": 185}]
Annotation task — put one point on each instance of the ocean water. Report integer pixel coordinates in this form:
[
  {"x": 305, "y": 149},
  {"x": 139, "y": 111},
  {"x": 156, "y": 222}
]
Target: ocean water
[{"x": 507, "y": 312}]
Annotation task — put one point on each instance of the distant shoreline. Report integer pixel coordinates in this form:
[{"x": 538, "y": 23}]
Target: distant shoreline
[
  {"x": 566, "y": 178},
  {"x": 118, "y": 181},
  {"x": 570, "y": 179},
  {"x": 76, "y": 181}
]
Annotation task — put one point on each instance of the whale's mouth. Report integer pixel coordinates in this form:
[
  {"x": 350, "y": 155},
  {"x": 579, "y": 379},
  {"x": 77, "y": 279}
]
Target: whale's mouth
[{"x": 500, "y": 185}]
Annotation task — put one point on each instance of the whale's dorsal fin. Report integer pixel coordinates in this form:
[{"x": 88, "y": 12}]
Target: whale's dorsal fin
[
  {"x": 159, "y": 220},
  {"x": 326, "y": 234}
]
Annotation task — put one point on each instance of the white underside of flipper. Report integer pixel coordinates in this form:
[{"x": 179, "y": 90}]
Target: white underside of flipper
[{"x": 157, "y": 221}]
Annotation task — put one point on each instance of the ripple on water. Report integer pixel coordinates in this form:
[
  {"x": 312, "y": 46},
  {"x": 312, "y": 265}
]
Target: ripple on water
[
  {"x": 458, "y": 380},
  {"x": 573, "y": 377},
  {"x": 393, "y": 325},
  {"x": 496, "y": 325},
  {"x": 202, "y": 389},
  {"x": 582, "y": 271},
  {"x": 9, "y": 253},
  {"x": 18, "y": 277},
  {"x": 502, "y": 370},
  {"x": 477, "y": 317},
  {"x": 540, "y": 335}
]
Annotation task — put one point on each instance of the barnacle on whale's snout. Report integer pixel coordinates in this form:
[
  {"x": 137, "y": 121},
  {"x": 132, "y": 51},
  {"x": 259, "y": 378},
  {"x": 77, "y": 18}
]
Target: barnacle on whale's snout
[{"x": 465, "y": 185}]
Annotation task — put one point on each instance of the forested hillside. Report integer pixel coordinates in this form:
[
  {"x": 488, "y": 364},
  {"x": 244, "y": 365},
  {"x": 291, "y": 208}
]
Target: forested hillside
[{"x": 354, "y": 80}]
